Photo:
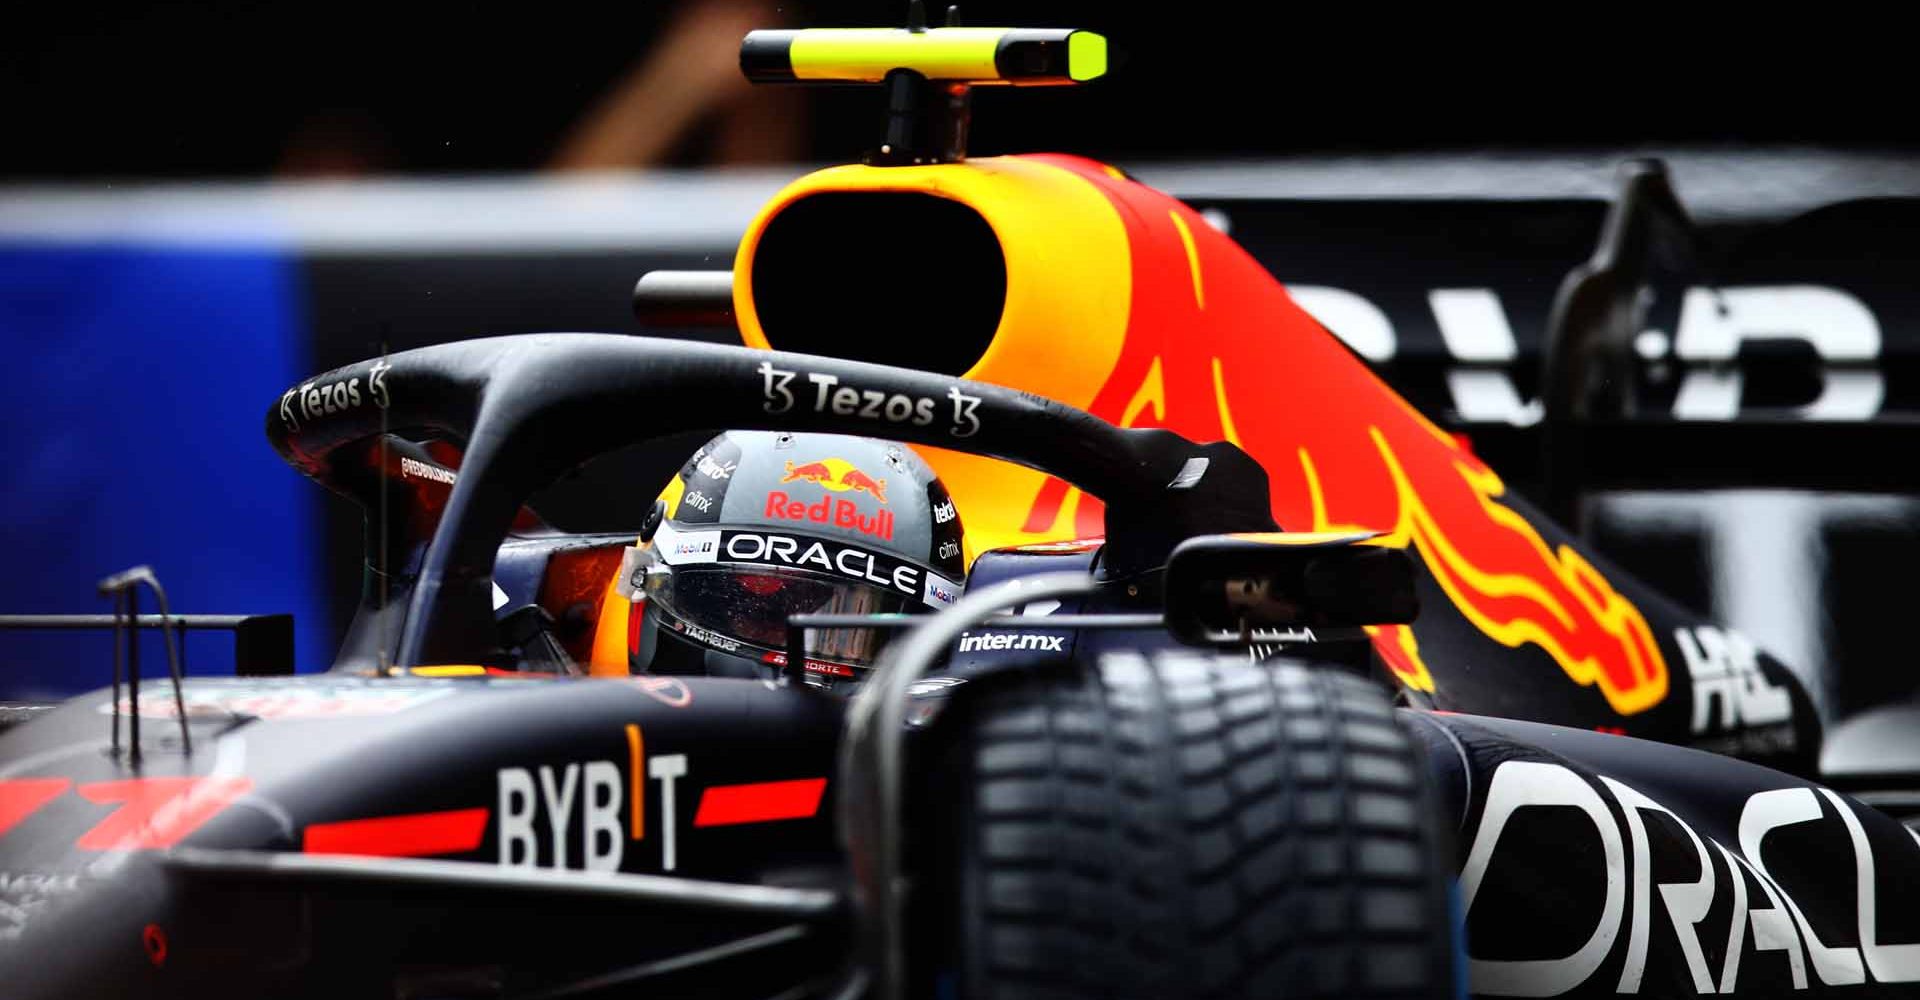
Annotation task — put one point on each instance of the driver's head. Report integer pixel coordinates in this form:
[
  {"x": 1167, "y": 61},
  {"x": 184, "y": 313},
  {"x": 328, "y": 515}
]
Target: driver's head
[{"x": 760, "y": 525}]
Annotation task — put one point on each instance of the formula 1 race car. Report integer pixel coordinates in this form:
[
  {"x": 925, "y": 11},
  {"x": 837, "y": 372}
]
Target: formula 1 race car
[{"x": 1315, "y": 709}]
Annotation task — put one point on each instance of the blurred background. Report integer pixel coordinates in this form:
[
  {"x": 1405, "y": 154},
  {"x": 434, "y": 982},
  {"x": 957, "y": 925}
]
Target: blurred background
[{"x": 202, "y": 203}]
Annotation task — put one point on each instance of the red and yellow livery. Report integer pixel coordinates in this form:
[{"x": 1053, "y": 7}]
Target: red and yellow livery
[{"x": 1122, "y": 301}]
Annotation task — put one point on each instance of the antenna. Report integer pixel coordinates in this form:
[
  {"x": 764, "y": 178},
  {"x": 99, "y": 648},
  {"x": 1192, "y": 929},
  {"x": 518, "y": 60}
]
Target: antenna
[
  {"x": 120, "y": 586},
  {"x": 385, "y": 656}
]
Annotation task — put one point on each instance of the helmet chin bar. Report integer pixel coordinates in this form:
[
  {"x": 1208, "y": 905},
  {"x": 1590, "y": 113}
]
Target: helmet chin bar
[{"x": 691, "y": 649}]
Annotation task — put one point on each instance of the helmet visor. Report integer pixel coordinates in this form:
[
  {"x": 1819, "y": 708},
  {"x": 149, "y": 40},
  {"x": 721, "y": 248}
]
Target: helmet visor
[{"x": 752, "y": 604}]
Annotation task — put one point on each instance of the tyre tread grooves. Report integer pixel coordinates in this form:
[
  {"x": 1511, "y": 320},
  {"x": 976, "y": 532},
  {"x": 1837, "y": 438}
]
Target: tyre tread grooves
[{"x": 1255, "y": 831}]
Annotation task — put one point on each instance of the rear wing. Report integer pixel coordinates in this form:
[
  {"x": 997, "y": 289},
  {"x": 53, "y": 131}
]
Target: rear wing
[
  {"x": 262, "y": 644},
  {"x": 252, "y": 635},
  {"x": 1605, "y": 426}
]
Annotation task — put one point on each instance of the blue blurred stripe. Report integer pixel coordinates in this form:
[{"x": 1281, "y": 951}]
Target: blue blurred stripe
[{"x": 131, "y": 432}]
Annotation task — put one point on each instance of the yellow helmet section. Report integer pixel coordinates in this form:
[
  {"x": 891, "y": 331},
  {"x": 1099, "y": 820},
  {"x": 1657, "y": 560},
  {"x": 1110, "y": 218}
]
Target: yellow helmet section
[
  {"x": 609, "y": 656},
  {"x": 670, "y": 497},
  {"x": 1069, "y": 276},
  {"x": 980, "y": 56},
  {"x": 609, "y": 650}
]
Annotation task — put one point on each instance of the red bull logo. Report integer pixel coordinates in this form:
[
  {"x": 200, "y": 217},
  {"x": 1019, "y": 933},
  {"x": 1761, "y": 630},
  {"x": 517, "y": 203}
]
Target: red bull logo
[
  {"x": 1175, "y": 326},
  {"x": 837, "y": 475},
  {"x": 827, "y": 510},
  {"x": 1344, "y": 453}
]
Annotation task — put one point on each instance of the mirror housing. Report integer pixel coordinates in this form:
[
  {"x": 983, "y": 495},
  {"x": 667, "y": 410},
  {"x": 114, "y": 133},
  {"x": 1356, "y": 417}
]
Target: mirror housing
[{"x": 1260, "y": 587}]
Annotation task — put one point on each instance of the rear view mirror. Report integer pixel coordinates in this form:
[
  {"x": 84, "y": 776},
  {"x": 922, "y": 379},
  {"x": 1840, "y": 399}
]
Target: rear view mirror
[{"x": 1286, "y": 586}]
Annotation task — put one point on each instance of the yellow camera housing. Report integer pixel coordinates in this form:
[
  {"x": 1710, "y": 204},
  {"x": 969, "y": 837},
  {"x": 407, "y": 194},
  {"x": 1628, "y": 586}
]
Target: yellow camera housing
[{"x": 1018, "y": 57}]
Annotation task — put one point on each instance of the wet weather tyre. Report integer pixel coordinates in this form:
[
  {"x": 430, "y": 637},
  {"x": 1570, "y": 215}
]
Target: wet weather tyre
[{"x": 1177, "y": 825}]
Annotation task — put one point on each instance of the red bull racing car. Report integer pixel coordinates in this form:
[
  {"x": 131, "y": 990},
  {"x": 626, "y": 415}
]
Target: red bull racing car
[{"x": 1261, "y": 684}]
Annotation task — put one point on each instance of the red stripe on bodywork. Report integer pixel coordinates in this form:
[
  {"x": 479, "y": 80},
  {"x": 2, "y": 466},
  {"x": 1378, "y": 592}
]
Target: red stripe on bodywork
[
  {"x": 156, "y": 813},
  {"x": 413, "y": 836},
  {"x": 760, "y": 802},
  {"x": 19, "y": 797}
]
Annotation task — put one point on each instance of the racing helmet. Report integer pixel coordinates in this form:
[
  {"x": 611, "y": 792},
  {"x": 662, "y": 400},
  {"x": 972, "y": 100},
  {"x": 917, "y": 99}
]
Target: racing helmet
[{"x": 761, "y": 525}]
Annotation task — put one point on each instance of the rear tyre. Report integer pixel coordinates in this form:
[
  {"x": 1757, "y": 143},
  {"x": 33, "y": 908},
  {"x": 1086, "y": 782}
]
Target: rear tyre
[{"x": 1178, "y": 825}]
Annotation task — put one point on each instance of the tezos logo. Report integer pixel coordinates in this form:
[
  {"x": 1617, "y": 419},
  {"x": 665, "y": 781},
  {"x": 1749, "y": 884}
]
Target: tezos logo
[
  {"x": 829, "y": 395},
  {"x": 317, "y": 399},
  {"x": 377, "y": 383},
  {"x": 286, "y": 407}
]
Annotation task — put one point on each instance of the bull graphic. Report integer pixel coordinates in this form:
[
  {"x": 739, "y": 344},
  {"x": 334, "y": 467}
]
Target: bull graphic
[{"x": 837, "y": 475}]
